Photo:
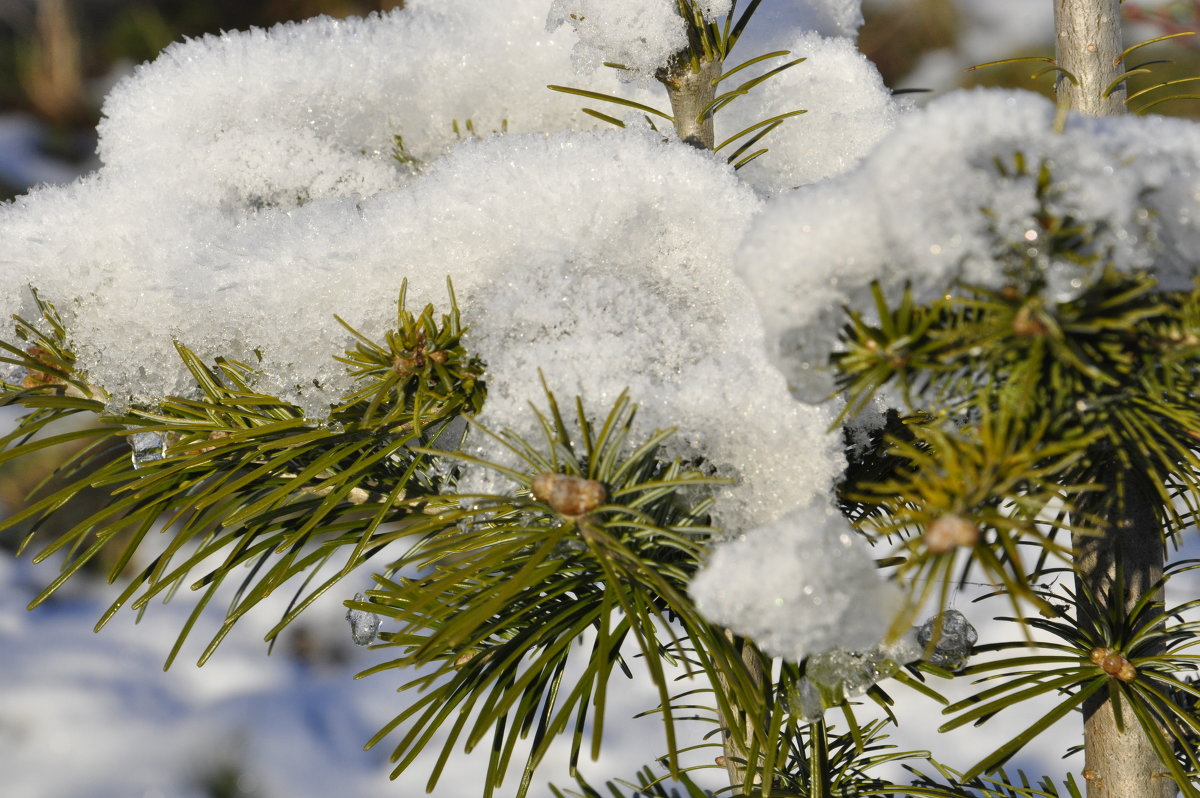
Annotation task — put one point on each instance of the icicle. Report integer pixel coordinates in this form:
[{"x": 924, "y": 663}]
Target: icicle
[
  {"x": 363, "y": 625},
  {"x": 954, "y": 646},
  {"x": 147, "y": 447}
]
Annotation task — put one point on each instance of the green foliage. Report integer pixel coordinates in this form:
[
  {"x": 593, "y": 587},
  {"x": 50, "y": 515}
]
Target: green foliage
[
  {"x": 593, "y": 549},
  {"x": 710, "y": 44},
  {"x": 237, "y": 474},
  {"x": 1137, "y": 656},
  {"x": 1029, "y": 415}
]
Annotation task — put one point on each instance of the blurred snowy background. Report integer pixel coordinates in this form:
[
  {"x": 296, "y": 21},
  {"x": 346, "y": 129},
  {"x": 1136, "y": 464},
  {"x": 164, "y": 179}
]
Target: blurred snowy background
[{"x": 94, "y": 716}]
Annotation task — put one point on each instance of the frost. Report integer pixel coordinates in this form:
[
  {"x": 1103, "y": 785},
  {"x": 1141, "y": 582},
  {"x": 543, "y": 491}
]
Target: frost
[
  {"x": 953, "y": 639},
  {"x": 941, "y": 196},
  {"x": 364, "y": 626},
  {"x": 800, "y": 586}
]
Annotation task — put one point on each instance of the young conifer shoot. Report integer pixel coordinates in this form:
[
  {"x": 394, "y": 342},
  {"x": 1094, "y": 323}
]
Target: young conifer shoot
[{"x": 724, "y": 381}]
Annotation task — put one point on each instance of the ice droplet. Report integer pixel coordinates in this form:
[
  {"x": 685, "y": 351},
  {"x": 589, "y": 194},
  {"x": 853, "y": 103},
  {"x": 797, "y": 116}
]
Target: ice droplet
[
  {"x": 363, "y": 625},
  {"x": 954, "y": 646},
  {"x": 147, "y": 447}
]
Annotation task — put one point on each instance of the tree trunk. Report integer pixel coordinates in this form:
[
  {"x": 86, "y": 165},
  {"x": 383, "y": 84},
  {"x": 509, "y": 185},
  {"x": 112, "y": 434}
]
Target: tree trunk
[
  {"x": 1116, "y": 764},
  {"x": 1122, "y": 764},
  {"x": 736, "y": 751},
  {"x": 690, "y": 93},
  {"x": 1088, "y": 46}
]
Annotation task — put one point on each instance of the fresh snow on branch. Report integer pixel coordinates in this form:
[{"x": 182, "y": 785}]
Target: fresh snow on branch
[
  {"x": 805, "y": 584},
  {"x": 249, "y": 192},
  {"x": 939, "y": 199}
]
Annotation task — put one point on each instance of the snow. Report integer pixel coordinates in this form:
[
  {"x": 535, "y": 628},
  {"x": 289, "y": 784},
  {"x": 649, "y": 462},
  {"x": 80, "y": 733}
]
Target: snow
[
  {"x": 805, "y": 584},
  {"x": 640, "y": 35},
  {"x": 242, "y": 237},
  {"x": 910, "y": 213},
  {"x": 248, "y": 192},
  {"x": 848, "y": 111}
]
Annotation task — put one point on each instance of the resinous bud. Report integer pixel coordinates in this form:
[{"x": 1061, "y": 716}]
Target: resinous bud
[{"x": 569, "y": 496}]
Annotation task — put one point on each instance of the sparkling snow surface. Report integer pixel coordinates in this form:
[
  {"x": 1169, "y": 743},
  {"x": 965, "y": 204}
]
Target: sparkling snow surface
[
  {"x": 802, "y": 585},
  {"x": 911, "y": 213}
]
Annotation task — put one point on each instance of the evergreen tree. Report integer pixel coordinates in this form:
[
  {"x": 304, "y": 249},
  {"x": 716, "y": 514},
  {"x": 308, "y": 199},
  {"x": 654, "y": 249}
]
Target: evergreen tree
[{"x": 1034, "y": 425}]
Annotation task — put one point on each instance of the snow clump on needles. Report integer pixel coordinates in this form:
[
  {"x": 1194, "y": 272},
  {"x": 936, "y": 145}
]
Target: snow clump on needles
[{"x": 256, "y": 183}]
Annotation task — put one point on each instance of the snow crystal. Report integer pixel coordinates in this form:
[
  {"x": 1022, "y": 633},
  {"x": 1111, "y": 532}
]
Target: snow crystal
[
  {"x": 802, "y": 585},
  {"x": 640, "y": 35},
  {"x": 364, "y": 626},
  {"x": 941, "y": 196},
  {"x": 848, "y": 111}
]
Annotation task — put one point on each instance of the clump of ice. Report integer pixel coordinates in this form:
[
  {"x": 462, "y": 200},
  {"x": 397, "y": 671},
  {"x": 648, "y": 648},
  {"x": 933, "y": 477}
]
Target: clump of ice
[
  {"x": 147, "y": 447},
  {"x": 930, "y": 205},
  {"x": 952, "y": 637},
  {"x": 834, "y": 676},
  {"x": 640, "y": 35},
  {"x": 799, "y": 586},
  {"x": 364, "y": 625}
]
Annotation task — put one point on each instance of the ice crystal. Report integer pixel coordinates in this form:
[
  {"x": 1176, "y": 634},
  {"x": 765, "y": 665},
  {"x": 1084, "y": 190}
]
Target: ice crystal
[
  {"x": 364, "y": 625},
  {"x": 147, "y": 447},
  {"x": 955, "y": 642}
]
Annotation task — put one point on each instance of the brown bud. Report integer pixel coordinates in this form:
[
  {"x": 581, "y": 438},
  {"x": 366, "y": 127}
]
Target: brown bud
[
  {"x": 408, "y": 363},
  {"x": 1026, "y": 324},
  {"x": 37, "y": 379},
  {"x": 570, "y": 496},
  {"x": 215, "y": 435},
  {"x": 948, "y": 532},
  {"x": 1114, "y": 664}
]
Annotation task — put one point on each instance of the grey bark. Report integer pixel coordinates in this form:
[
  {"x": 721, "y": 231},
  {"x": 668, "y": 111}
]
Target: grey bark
[
  {"x": 690, "y": 94},
  {"x": 1116, "y": 764},
  {"x": 1088, "y": 46},
  {"x": 1122, "y": 764}
]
